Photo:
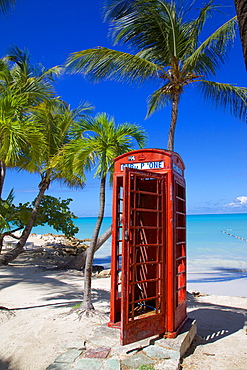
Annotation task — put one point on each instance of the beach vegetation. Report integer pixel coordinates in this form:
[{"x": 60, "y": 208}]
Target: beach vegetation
[
  {"x": 56, "y": 123},
  {"x": 22, "y": 87},
  {"x": 146, "y": 367},
  {"x": 169, "y": 48},
  {"x": 99, "y": 140},
  {"x": 53, "y": 211}
]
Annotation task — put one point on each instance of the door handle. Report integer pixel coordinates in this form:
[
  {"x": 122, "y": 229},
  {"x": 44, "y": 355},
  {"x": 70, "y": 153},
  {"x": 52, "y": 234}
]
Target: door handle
[{"x": 126, "y": 235}]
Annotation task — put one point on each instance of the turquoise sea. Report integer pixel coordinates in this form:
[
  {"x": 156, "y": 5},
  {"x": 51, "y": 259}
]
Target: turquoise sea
[{"x": 209, "y": 245}]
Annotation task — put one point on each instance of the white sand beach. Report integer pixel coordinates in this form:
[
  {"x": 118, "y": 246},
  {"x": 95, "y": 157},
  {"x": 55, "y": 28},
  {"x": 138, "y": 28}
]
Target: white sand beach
[{"x": 36, "y": 324}]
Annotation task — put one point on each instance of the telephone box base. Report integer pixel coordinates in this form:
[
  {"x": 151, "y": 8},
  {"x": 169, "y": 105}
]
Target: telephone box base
[{"x": 175, "y": 333}]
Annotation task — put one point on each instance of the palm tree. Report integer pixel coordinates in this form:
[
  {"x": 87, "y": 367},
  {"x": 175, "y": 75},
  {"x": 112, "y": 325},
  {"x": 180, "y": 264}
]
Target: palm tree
[
  {"x": 56, "y": 121},
  {"x": 169, "y": 51},
  {"x": 21, "y": 88},
  {"x": 241, "y": 7},
  {"x": 99, "y": 141},
  {"x": 6, "y": 4}
]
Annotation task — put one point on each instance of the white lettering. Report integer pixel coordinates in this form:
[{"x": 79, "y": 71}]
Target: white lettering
[
  {"x": 177, "y": 169},
  {"x": 144, "y": 165}
]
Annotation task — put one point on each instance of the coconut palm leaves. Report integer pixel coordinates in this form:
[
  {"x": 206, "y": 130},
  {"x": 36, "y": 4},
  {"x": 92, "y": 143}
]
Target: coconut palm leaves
[
  {"x": 21, "y": 88},
  {"x": 97, "y": 142},
  {"x": 58, "y": 124},
  {"x": 165, "y": 46},
  {"x": 55, "y": 122},
  {"x": 6, "y": 4}
]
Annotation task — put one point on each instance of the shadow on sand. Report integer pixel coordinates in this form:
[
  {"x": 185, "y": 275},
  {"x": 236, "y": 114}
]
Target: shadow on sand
[
  {"x": 57, "y": 288},
  {"x": 6, "y": 365},
  {"x": 215, "y": 321}
]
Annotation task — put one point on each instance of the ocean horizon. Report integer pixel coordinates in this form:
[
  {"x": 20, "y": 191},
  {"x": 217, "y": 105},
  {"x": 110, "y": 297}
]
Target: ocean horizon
[{"x": 215, "y": 242}]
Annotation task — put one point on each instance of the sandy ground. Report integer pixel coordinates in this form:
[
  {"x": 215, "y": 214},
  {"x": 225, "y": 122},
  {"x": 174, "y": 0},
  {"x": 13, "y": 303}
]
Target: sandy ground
[{"x": 37, "y": 325}]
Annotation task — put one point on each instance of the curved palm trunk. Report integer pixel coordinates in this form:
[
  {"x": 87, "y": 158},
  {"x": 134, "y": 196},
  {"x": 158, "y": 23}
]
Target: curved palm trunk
[
  {"x": 11, "y": 255},
  {"x": 78, "y": 262},
  {"x": 241, "y": 7},
  {"x": 87, "y": 299},
  {"x": 174, "y": 117},
  {"x": 10, "y": 234},
  {"x": 2, "y": 177}
]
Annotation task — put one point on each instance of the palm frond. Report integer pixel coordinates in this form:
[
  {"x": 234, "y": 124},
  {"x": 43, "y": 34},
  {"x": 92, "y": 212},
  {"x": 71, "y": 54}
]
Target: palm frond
[
  {"x": 6, "y": 4},
  {"x": 198, "y": 24},
  {"x": 99, "y": 143},
  {"x": 230, "y": 97},
  {"x": 106, "y": 64},
  {"x": 113, "y": 9},
  {"x": 159, "y": 99},
  {"x": 128, "y": 130},
  {"x": 213, "y": 49},
  {"x": 156, "y": 26}
]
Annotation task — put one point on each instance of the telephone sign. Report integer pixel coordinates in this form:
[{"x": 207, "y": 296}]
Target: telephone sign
[{"x": 144, "y": 165}]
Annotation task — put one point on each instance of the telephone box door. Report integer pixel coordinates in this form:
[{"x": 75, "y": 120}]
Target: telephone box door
[{"x": 143, "y": 302}]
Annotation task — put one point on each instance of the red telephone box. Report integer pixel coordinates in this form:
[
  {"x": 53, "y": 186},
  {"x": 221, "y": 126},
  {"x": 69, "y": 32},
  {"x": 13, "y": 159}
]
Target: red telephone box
[{"x": 148, "y": 271}]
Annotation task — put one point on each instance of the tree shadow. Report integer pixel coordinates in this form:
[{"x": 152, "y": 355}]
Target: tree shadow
[
  {"x": 219, "y": 274},
  {"x": 6, "y": 365},
  {"x": 215, "y": 321},
  {"x": 57, "y": 288}
]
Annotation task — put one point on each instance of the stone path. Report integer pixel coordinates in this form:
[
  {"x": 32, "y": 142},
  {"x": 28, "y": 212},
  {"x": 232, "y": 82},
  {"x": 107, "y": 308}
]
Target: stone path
[{"x": 102, "y": 351}]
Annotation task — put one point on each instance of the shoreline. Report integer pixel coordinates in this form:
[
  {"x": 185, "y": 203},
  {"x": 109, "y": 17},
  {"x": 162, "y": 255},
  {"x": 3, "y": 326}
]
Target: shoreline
[{"x": 201, "y": 277}]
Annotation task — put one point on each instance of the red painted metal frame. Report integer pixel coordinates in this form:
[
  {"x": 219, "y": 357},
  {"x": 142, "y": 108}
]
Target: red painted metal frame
[
  {"x": 173, "y": 285},
  {"x": 147, "y": 272}
]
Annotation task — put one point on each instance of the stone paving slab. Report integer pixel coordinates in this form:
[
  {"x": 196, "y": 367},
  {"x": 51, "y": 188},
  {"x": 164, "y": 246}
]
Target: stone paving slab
[
  {"x": 163, "y": 354},
  {"x": 182, "y": 342},
  {"x": 168, "y": 365},
  {"x": 136, "y": 361},
  {"x": 68, "y": 356},
  {"x": 88, "y": 364},
  {"x": 112, "y": 364},
  {"x": 100, "y": 352},
  {"x": 58, "y": 366},
  {"x": 158, "y": 353},
  {"x": 132, "y": 348}
]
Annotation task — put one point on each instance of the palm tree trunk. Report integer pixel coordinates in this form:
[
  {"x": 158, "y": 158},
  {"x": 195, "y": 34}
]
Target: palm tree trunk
[
  {"x": 10, "y": 233},
  {"x": 174, "y": 117},
  {"x": 87, "y": 299},
  {"x": 2, "y": 177},
  {"x": 78, "y": 262},
  {"x": 241, "y": 7},
  {"x": 1, "y": 242},
  {"x": 11, "y": 255}
]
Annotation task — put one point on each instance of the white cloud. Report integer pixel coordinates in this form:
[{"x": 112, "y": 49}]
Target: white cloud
[{"x": 238, "y": 202}]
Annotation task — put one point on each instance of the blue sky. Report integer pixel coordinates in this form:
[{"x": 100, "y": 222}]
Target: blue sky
[{"x": 211, "y": 142}]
